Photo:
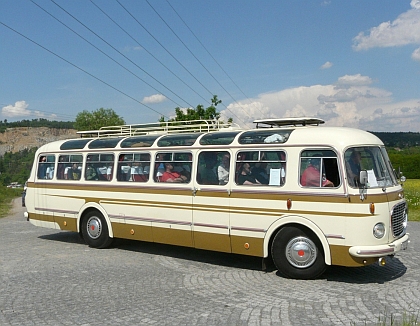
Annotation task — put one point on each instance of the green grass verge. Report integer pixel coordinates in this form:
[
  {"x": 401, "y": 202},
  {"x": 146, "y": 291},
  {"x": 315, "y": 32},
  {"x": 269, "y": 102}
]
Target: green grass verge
[
  {"x": 6, "y": 197},
  {"x": 408, "y": 319},
  {"x": 412, "y": 195}
]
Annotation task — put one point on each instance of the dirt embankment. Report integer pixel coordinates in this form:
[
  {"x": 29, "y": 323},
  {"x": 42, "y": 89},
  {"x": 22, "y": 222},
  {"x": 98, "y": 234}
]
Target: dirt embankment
[{"x": 17, "y": 139}]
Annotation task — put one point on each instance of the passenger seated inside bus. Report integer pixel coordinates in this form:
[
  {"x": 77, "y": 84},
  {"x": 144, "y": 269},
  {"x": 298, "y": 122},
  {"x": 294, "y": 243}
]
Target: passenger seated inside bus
[
  {"x": 353, "y": 168},
  {"x": 42, "y": 168},
  {"x": 311, "y": 177},
  {"x": 172, "y": 176},
  {"x": 245, "y": 177},
  {"x": 223, "y": 170},
  {"x": 102, "y": 173},
  {"x": 74, "y": 172},
  {"x": 207, "y": 172},
  {"x": 137, "y": 173},
  {"x": 259, "y": 171}
]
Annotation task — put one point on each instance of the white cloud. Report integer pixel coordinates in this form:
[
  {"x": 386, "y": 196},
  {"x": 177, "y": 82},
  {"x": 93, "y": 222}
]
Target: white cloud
[
  {"x": 20, "y": 109},
  {"x": 351, "y": 102},
  {"x": 416, "y": 55},
  {"x": 326, "y": 65},
  {"x": 157, "y": 98},
  {"x": 415, "y": 4},
  {"x": 353, "y": 80},
  {"x": 404, "y": 30}
]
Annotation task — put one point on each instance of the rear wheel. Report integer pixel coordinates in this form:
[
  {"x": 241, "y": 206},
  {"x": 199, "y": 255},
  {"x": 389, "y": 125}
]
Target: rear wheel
[
  {"x": 95, "y": 230},
  {"x": 297, "y": 253}
]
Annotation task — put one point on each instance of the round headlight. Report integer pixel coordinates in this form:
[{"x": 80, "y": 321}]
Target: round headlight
[{"x": 379, "y": 230}]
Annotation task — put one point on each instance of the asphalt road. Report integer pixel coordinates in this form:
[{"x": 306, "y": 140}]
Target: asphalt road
[{"x": 51, "y": 277}]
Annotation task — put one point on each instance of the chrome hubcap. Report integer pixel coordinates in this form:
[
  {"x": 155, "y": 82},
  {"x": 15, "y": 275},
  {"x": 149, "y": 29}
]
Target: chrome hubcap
[
  {"x": 94, "y": 227},
  {"x": 301, "y": 252}
]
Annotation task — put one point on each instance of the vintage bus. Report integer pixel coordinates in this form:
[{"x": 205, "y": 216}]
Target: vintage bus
[{"x": 291, "y": 190}]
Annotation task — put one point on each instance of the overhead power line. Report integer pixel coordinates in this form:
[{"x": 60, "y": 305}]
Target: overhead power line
[
  {"x": 128, "y": 70},
  {"x": 115, "y": 49},
  {"x": 186, "y": 69},
  {"x": 151, "y": 54},
  {"x": 209, "y": 53},
  {"x": 198, "y": 60},
  {"x": 81, "y": 69}
]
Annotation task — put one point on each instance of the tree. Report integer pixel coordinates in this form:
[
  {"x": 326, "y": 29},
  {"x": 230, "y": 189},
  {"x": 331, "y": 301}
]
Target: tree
[
  {"x": 199, "y": 113},
  {"x": 96, "y": 119}
]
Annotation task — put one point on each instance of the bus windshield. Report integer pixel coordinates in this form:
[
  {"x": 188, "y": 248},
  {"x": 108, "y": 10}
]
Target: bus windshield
[{"x": 375, "y": 161}]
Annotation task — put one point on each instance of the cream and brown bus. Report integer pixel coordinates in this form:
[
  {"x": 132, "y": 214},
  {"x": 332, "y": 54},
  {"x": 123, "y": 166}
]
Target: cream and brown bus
[{"x": 304, "y": 195}]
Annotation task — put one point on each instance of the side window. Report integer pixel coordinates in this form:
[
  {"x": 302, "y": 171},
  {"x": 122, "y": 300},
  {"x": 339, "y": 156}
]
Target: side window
[
  {"x": 319, "y": 168},
  {"x": 69, "y": 167},
  {"x": 173, "y": 167},
  {"x": 133, "y": 167},
  {"x": 46, "y": 165},
  {"x": 213, "y": 168},
  {"x": 99, "y": 167},
  {"x": 261, "y": 167}
]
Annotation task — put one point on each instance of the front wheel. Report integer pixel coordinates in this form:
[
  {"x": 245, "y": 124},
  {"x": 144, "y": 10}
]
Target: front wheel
[
  {"x": 95, "y": 230},
  {"x": 297, "y": 253}
]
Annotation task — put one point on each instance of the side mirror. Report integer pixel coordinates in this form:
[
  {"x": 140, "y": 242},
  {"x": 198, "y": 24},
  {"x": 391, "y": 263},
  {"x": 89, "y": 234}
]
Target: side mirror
[{"x": 363, "y": 177}]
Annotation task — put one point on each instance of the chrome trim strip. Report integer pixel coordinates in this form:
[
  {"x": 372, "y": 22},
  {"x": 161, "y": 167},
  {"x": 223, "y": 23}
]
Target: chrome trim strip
[
  {"x": 376, "y": 252},
  {"x": 211, "y": 225},
  {"x": 237, "y": 228},
  {"x": 335, "y": 236},
  {"x": 56, "y": 210}
]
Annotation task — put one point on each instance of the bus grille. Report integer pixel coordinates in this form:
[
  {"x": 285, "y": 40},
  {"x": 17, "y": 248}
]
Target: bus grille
[{"x": 399, "y": 219}]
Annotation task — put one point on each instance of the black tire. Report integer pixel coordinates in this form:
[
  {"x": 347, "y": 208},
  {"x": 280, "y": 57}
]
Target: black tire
[
  {"x": 95, "y": 230},
  {"x": 297, "y": 253}
]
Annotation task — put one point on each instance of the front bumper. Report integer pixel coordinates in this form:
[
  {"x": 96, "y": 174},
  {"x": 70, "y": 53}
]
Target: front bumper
[{"x": 381, "y": 250}]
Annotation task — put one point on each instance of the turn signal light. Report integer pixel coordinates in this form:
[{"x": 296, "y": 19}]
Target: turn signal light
[{"x": 372, "y": 208}]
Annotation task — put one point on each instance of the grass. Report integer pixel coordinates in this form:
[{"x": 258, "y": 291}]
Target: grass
[
  {"x": 6, "y": 196},
  {"x": 407, "y": 320},
  {"x": 412, "y": 195}
]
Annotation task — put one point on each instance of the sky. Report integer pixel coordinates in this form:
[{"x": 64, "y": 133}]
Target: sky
[{"x": 351, "y": 63}]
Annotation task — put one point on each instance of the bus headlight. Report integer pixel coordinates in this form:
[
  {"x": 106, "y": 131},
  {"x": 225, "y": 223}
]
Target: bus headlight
[{"x": 379, "y": 230}]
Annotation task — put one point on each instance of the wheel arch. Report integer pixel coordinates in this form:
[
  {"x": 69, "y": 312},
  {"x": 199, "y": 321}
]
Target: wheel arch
[
  {"x": 297, "y": 221},
  {"x": 91, "y": 207}
]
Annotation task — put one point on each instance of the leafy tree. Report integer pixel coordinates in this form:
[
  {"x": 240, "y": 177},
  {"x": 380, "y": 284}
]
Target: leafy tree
[
  {"x": 96, "y": 119},
  {"x": 16, "y": 167},
  {"x": 199, "y": 113},
  {"x": 35, "y": 123}
]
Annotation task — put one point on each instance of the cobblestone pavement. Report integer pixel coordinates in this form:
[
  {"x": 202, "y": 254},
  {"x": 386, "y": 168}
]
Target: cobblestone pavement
[{"x": 50, "y": 277}]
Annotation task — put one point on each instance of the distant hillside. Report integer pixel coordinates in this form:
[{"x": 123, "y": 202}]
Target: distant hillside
[
  {"x": 23, "y": 138},
  {"x": 399, "y": 139}
]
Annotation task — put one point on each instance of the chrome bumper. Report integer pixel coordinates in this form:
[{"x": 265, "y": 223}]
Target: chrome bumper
[{"x": 381, "y": 250}]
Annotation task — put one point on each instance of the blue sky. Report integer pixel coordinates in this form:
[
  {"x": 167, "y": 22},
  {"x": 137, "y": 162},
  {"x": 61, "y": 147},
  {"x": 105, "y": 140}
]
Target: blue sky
[{"x": 352, "y": 63}]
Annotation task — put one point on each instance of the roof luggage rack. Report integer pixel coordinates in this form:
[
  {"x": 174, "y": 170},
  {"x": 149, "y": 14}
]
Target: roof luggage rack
[
  {"x": 159, "y": 128},
  {"x": 287, "y": 122}
]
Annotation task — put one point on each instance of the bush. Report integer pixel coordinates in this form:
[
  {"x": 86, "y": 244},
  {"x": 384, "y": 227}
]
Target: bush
[{"x": 6, "y": 196}]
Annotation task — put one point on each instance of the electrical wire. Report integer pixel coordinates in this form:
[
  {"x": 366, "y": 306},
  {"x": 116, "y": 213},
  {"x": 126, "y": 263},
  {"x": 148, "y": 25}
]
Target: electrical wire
[
  {"x": 151, "y": 54},
  {"x": 195, "y": 57},
  {"x": 115, "y": 49},
  {"x": 214, "y": 59},
  {"x": 81, "y": 69},
  {"x": 186, "y": 69},
  {"x": 128, "y": 70}
]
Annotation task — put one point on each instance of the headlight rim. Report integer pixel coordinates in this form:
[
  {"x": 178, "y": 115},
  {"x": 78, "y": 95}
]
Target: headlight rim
[{"x": 379, "y": 230}]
